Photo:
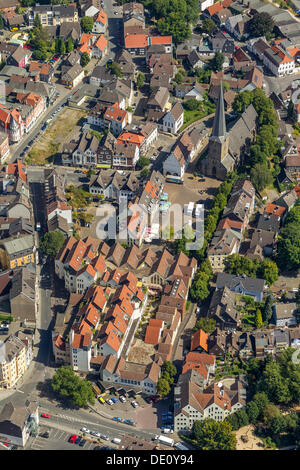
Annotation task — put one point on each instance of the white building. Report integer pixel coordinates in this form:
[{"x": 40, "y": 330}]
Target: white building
[
  {"x": 81, "y": 351},
  {"x": 203, "y": 4},
  {"x": 173, "y": 120}
]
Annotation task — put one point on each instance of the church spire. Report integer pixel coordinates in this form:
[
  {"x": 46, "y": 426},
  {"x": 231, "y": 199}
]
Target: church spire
[{"x": 219, "y": 127}]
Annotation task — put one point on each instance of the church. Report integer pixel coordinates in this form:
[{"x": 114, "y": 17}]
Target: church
[{"x": 227, "y": 148}]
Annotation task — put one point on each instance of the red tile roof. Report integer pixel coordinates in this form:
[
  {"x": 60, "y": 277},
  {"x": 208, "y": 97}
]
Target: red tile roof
[
  {"x": 133, "y": 41},
  {"x": 161, "y": 40},
  {"x": 199, "y": 338},
  {"x": 274, "y": 209},
  {"x": 152, "y": 334}
]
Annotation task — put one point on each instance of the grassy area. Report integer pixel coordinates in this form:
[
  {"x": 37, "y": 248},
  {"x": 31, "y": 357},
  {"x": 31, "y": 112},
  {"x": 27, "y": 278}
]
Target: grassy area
[
  {"x": 6, "y": 318},
  {"x": 205, "y": 108},
  {"x": 78, "y": 199},
  {"x": 49, "y": 144}
]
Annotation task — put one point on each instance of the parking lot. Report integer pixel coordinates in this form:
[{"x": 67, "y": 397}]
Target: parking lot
[
  {"x": 59, "y": 440},
  {"x": 147, "y": 415}
]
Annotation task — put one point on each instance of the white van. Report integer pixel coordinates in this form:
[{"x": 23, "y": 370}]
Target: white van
[{"x": 116, "y": 440}]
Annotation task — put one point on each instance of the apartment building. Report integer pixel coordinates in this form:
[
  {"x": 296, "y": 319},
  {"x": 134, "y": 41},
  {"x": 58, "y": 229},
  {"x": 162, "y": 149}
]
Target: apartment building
[
  {"x": 53, "y": 15},
  {"x": 13, "y": 362}
]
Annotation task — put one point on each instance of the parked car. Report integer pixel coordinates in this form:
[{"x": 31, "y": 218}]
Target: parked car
[
  {"x": 82, "y": 442},
  {"x": 154, "y": 399},
  {"x": 73, "y": 438},
  {"x": 122, "y": 399},
  {"x": 117, "y": 418},
  {"x": 45, "y": 435},
  {"x": 114, "y": 400},
  {"x": 104, "y": 437},
  {"x": 109, "y": 402},
  {"x": 134, "y": 404},
  {"x": 77, "y": 441},
  {"x": 45, "y": 415}
]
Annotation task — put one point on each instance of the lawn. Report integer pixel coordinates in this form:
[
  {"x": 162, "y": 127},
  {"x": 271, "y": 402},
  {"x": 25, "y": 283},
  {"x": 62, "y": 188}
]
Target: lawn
[
  {"x": 50, "y": 143},
  {"x": 205, "y": 108}
]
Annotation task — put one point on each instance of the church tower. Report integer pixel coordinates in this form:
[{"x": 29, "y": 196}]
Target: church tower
[{"x": 219, "y": 139}]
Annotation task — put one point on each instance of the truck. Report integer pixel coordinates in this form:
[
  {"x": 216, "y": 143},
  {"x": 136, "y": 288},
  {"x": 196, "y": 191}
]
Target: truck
[
  {"x": 181, "y": 446},
  {"x": 96, "y": 390},
  {"x": 167, "y": 441}
]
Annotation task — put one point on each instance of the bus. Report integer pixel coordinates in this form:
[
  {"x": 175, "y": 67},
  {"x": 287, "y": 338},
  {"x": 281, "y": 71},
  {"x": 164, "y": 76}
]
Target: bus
[{"x": 174, "y": 179}]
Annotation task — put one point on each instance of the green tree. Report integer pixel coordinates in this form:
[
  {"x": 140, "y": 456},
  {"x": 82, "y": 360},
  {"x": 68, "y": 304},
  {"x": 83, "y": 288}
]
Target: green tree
[
  {"x": 142, "y": 162},
  {"x": 199, "y": 290},
  {"x": 288, "y": 248},
  {"x": 84, "y": 59},
  {"x": 52, "y": 242},
  {"x": 208, "y": 25},
  {"x": 169, "y": 368},
  {"x": 71, "y": 387},
  {"x": 214, "y": 435},
  {"x": 238, "y": 419},
  {"x": 37, "y": 22},
  {"x": 267, "y": 309},
  {"x": 218, "y": 61},
  {"x": 252, "y": 411},
  {"x": 191, "y": 104},
  {"x": 116, "y": 69},
  {"x": 140, "y": 80},
  {"x": 163, "y": 387},
  {"x": 268, "y": 271},
  {"x": 145, "y": 172},
  {"x": 1, "y": 22},
  {"x": 70, "y": 45},
  {"x": 261, "y": 176},
  {"x": 206, "y": 324},
  {"x": 258, "y": 319},
  {"x": 87, "y": 24},
  {"x": 261, "y": 24}
]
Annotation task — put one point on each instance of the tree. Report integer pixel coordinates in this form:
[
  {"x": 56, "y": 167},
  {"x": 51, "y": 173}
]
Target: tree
[
  {"x": 84, "y": 59},
  {"x": 116, "y": 69},
  {"x": 52, "y": 242},
  {"x": 208, "y": 25},
  {"x": 87, "y": 24},
  {"x": 199, "y": 290},
  {"x": 1, "y": 22},
  {"x": 261, "y": 24},
  {"x": 208, "y": 325},
  {"x": 238, "y": 419},
  {"x": 70, "y": 45},
  {"x": 267, "y": 311},
  {"x": 289, "y": 247},
  {"x": 268, "y": 271},
  {"x": 252, "y": 411},
  {"x": 68, "y": 385},
  {"x": 163, "y": 387},
  {"x": 169, "y": 368},
  {"x": 214, "y": 435},
  {"x": 261, "y": 401},
  {"x": 145, "y": 172},
  {"x": 218, "y": 61},
  {"x": 140, "y": 80},
  {"x": 258, "y": 319},
  {"x": 142, "y": 162},
  {"x": 37, "y": 22},
  {"x": 261, "y": 176},
  {"x": 191, "y": 104}
]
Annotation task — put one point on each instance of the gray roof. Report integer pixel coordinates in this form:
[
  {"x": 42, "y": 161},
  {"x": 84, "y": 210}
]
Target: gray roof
[
  {"x": 13, "y": 417},
  {"x": 249, "y": 284},
  {"x": 219, "y": 127},
  {"x": 269, "y": 223},
  {"x": 18, "y": 245},
  {"x": 287, "y": 310}
]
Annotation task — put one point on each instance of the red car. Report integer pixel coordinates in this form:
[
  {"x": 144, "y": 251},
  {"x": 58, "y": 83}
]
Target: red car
[
  {"x": 154, "y": 399},
  {"x": 45, "y": 415},
  {"x": 73, "y": 438},
  {"x": 26, "y": 47}
]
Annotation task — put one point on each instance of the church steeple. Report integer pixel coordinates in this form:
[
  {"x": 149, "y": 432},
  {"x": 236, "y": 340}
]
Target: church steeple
[{"x": 219, "y": 133}]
